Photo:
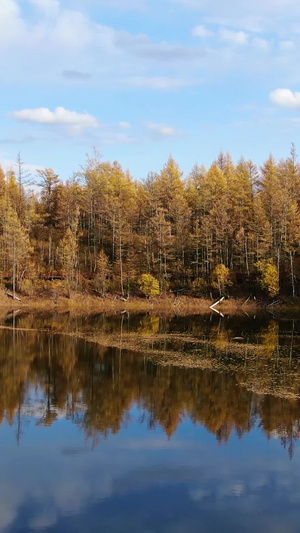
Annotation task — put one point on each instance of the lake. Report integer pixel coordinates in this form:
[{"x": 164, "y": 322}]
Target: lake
[{"x": 145, "y": 424}]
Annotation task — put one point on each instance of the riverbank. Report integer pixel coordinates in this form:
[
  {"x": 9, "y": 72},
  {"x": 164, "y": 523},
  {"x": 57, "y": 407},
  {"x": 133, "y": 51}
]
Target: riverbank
[
  {"x": 169, "y": 304},
  {"x": 181, "y": 305}
]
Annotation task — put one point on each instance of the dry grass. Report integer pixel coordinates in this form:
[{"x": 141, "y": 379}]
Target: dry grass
[
  {"x": 253, "y": 368},
  {"x": 182, "y": 305}
]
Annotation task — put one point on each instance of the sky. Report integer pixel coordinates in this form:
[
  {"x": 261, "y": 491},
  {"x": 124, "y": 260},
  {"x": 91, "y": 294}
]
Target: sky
[{"x": 142, "y": 79}]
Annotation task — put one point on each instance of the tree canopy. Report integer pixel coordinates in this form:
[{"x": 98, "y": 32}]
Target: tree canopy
[{"x": 229, "y": 225}]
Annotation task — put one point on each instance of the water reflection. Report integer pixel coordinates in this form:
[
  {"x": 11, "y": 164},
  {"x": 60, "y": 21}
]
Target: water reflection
[
  {"x": 192, "y": 368},
  {"x": 125, "y": 435}
]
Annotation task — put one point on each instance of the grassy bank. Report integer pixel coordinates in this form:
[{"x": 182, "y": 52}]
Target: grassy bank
[{"x": 181, "y": 305}]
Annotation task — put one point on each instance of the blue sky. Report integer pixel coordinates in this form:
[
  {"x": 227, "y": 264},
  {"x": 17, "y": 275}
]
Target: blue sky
[{"x": 142, "y": 79}]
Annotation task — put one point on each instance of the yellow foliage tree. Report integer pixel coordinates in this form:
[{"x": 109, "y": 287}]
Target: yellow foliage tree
[
  {"x": 269, "y": 276},
  {"x": 149, "y": 285},
  {"x": 221, "y": 276},
  {"x": 103, "y": 271},
  {"x": 68, "y": 256}
]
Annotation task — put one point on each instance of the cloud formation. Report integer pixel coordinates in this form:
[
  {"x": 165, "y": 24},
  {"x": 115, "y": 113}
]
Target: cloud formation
[
  {"x": 60, "y": 115},
  {"x": 202, "y": 32},
  {"x": 234, "y": 37},
  {"x": 53, "y": 52},
  {"x": 286, "y": 98},
  {"x": 214, "y": 60}
]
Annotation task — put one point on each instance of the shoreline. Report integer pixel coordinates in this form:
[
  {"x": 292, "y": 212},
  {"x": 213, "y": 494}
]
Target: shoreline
[{"x": 182, "y": 305}]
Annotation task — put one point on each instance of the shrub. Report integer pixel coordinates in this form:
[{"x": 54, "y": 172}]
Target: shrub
[
  {"x": 269, "y": 276},
  {"x": 149, "y": 285},
  {"x": 221, "y": 275}
]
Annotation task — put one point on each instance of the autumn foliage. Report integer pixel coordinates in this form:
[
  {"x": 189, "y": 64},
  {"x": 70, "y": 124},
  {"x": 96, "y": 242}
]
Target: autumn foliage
[{"x": 232, "y": 228}]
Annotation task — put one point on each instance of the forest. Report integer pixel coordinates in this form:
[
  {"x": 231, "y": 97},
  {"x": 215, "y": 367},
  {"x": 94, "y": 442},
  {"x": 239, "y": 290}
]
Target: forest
[{"x": 231, "y": 229}]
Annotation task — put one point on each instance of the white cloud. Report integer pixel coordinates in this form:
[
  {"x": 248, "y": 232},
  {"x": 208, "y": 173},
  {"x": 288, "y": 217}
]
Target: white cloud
[
  {"x": 286, "y": 98},
  {"x": 162, "y": 130},
  {"x": 69, "y": 45},
  {"x": 9, "y": 9},
  {"x": 11, "y": 22},
  {"x": 73, "y": 31},
  {"x": 202, "y": 32},
  {"x": 40, "y": 48},
  {"x": 239, "y": 38},
  {"x": 60, "y": 115},
  {"x": 51, "y": 46}
]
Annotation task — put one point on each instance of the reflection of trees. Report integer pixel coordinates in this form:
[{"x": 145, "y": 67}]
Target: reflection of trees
[
  {"x": 96, "y": 386},
  {"x": 270, "y": 338}
]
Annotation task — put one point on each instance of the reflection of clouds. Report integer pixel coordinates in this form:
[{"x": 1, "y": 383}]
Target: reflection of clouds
[
  {"x": 44, "y": 520},
  {"x": 260, "y": 484},
  {"x": 238, "y": 489},
  {"x": 11, "y": 499},
  {"x": 69, "y": 484},
  {"x": 199, "y": 494},
  {"x": 72, "y": 494},
  {"x": 39, "y": 409}
]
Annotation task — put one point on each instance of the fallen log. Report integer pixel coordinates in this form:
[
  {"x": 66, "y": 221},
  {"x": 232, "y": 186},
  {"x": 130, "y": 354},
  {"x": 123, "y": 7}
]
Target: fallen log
[
  {"x": 276, "y": 302},
  {"x": 13, "y": 296},
  {"x": 216, "y": 311},
  {"x": 12, "y": 314},
  {"x": 247, "y": 300},
  {"x": 216, "y": 303}
]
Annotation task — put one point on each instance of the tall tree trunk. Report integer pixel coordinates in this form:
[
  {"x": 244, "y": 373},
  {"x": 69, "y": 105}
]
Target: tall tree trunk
[
  {"x": 246, "y": 256},
  {"x": 292, "y": 273},
  {"x": 121, "y": 264},
  {"x": 14, "y": 268}
]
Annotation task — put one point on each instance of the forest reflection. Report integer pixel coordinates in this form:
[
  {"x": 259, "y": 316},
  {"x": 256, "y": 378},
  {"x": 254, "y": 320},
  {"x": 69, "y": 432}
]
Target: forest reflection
[{"x": 228, "y": 376}]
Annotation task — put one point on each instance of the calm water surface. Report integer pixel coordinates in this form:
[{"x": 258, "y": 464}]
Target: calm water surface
[{"x": 168, "y": 425}]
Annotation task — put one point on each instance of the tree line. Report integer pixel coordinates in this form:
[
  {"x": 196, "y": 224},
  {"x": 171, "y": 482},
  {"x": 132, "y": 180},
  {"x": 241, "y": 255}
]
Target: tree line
[{"x": 230, "y": 228}]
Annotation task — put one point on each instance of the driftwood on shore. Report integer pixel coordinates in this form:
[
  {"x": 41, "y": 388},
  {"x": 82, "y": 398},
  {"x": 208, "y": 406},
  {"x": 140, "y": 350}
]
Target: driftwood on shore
[
  {"x": 13, "y": 296},
  {"x": 216, "y": 303}
]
